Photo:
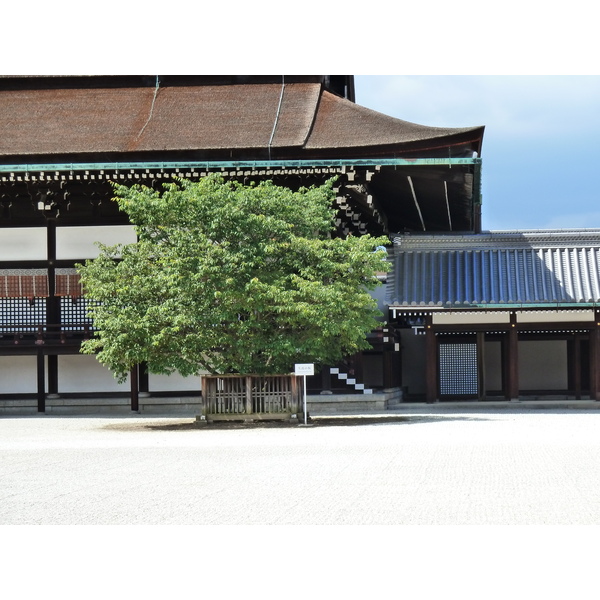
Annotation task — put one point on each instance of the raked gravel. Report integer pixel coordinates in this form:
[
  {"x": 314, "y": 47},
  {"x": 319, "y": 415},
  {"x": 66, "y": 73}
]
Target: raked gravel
[{"x": 446, "y": 467}]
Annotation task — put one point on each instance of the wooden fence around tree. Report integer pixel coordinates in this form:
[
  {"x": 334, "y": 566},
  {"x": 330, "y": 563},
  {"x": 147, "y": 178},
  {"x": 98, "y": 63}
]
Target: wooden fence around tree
[{"x": 251, "y": 397}]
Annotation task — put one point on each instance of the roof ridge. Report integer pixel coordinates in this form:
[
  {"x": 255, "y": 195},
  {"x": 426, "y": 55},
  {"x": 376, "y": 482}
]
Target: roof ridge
[{"x": 501, "y": 240}]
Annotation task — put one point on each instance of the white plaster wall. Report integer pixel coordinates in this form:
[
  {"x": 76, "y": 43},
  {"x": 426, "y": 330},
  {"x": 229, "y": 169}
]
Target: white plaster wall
[
  {"x": 555, "y": 316},
  {"x": 173, "y": 383},
  {"x": 83, "y": 373},
  {"x": 466, "y": 317},
  {"x": 18, "y": 374},
  {"x": 543, "y": 365},
  {"x": 23, "y": 243},
  {"x": 76, "y": 243},
  {"x": 413, "y": 362}
]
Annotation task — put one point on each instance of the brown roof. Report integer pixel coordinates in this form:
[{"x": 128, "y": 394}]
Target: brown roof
[
  {"x": 344, "y": 124},
  {"x": 243, "y": 120}
]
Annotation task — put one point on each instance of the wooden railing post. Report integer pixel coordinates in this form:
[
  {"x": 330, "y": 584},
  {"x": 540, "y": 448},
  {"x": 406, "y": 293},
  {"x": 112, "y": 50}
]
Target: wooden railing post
[
  {"x": 208, "y": 390},
  {"x": 249, "y": 410},
  {"x": 294, "y": 388}
]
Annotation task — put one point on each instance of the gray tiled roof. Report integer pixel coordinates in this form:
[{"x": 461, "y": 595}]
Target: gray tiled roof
[{"x": 496, "y": 268}]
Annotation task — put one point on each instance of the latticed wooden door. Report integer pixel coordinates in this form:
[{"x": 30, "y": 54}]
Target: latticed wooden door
[{"x": 458, "y": 369}]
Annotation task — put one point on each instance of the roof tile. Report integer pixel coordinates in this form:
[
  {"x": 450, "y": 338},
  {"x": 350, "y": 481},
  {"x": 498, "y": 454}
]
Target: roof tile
[{"x": 494, "y": 269}]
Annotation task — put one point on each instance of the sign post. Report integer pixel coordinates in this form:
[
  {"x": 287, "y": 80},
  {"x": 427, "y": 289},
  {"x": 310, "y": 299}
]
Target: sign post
[{"x": 304, "y": 370}]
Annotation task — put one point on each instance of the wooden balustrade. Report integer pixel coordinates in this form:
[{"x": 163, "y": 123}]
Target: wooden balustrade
[{"x": 250, "y": 397}]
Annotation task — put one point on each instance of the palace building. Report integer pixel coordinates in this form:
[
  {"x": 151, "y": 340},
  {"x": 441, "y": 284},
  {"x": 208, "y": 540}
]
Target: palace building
[{"x": 447, "y": 305}]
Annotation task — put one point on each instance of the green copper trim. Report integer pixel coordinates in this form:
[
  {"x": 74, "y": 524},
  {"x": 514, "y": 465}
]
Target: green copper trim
[
  {"x": 233, "y": 164},
  {"x": 516, "y": 306}
]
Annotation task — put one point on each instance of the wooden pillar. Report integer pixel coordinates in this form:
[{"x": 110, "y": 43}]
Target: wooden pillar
[
  {"x": 143, "y": 379},
  {"x": 41, "y": 382},
  {"x": 481, "y": 384},
  {"x": 512, "y": 362},
  {"x": 391, "y": 370},
  {"x": 53, "y": 374},
  {"x": 206, "y": 383},
  {"x": 574, "y": 364},
  {"x": 296, "y": 391},
  {"x": 477, "y": 217},
  {"x": 133, "y": 379},
  {"x": 431, "y": 363},
  {"x": 53, "y": 306},
  {"x": 595, "y": 359}
]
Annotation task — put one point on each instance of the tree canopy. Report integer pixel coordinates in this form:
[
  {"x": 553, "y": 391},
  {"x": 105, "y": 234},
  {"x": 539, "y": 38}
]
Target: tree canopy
[{"x": 229, "y": 278}]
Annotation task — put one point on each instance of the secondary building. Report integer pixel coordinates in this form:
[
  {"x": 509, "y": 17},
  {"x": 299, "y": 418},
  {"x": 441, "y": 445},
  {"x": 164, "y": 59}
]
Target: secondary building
[{"x": 498, "y": 315}]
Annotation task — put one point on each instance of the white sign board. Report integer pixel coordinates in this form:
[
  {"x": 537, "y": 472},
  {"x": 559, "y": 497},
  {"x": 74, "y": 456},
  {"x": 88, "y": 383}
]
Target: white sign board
[{"x": 304, "y": 369}]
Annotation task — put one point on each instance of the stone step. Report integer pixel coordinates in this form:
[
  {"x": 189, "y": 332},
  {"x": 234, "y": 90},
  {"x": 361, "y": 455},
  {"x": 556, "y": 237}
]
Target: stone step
[{"x": 350, "y": 380}]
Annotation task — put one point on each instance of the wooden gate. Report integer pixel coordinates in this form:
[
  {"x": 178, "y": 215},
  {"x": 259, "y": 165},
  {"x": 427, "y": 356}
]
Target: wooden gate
[{"x": 250, "y": 397}]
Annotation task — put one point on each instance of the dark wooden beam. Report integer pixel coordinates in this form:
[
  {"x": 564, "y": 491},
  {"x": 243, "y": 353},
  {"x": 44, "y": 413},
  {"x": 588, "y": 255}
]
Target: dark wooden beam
[
  {"x": 41, "y": 382},
  {"x": 563, "y": 326},
  {"x": 481, "y": 383},
  {"x": 512, "y": 364},
  {"x": 574, "y": 365},
  {"x": 595, "y": 359},
  {"x": 392, "y": 369},
  {"x": 431, "y": 363},
  {"x": 133, "y": 380},
  {"x": 52, "y": 373}
]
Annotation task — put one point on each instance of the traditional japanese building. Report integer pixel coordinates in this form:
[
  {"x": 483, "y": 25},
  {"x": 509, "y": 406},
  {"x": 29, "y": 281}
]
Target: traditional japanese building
[
  {"x": 63, "y": 139},
  {"x": 498, "y": 314}
]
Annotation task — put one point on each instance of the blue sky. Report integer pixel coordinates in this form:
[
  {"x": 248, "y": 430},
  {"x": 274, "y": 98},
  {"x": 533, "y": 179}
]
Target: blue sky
[
  {"x": 541, "y": 148},
  {"x": 483, "y": 63}
]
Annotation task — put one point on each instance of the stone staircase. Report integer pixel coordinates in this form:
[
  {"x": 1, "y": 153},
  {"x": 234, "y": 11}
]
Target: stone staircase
[{"x": 350, "y": 381}]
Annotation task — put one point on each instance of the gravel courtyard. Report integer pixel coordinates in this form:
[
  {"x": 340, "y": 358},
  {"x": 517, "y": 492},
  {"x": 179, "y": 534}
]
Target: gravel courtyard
[{"x": 429, "y": 467}]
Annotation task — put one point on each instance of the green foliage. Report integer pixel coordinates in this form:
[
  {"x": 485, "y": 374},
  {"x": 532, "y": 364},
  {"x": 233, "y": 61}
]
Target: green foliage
[{"x": 231, "y": 279}]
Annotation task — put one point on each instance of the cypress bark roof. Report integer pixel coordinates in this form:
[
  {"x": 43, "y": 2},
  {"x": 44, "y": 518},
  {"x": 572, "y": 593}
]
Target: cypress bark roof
[{"x": 250, "y": 119}]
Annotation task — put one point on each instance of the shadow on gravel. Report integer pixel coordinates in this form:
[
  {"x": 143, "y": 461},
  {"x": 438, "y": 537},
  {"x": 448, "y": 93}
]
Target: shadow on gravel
[{"x": 339, "y": 421}]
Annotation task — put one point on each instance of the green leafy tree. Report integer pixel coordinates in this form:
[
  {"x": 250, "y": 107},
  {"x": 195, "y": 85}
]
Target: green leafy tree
[{"x": 229, "y": 278}]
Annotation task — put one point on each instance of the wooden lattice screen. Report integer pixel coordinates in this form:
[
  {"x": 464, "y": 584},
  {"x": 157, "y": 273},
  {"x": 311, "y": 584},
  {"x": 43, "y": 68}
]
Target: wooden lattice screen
[{"x": 458, "y": 369}]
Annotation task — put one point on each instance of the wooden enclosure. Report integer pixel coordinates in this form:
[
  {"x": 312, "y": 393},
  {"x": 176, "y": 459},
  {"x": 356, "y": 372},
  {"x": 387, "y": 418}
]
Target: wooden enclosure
[{"x": 251, "y": 397}]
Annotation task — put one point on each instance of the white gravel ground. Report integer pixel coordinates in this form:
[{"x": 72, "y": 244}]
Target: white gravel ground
[
  {"x": 444, "y": 468},
  {"x": 521, "y": 475}
]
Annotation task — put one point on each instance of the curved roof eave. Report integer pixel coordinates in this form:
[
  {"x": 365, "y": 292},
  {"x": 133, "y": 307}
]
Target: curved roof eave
[{"x": 344, "y": 124}]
